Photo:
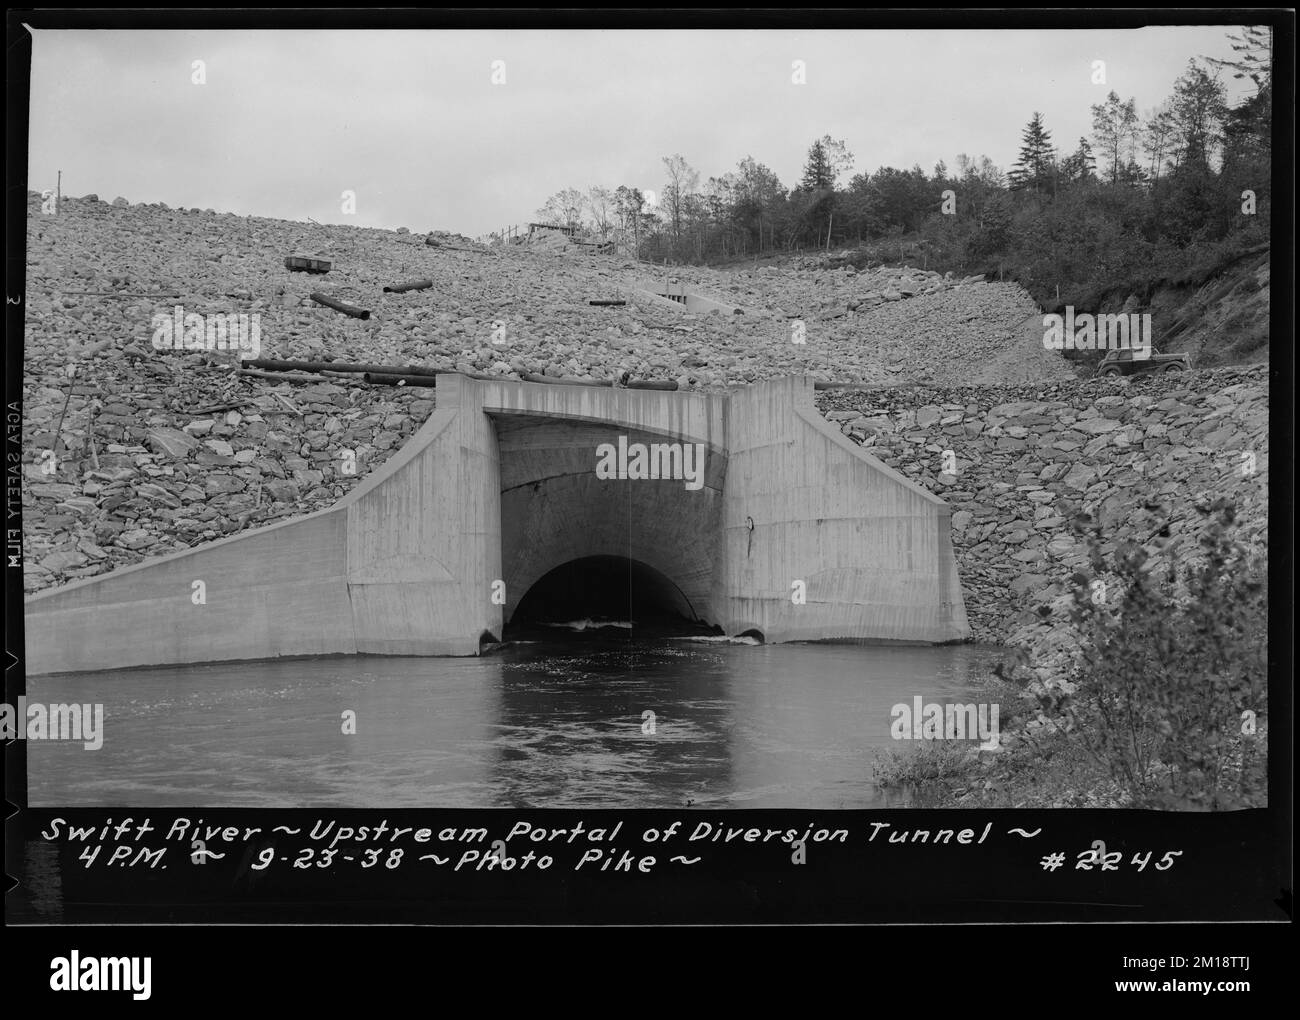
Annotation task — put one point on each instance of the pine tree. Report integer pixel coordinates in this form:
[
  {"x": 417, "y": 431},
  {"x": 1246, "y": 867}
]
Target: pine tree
[
  {"x": 1032, "y": 169},
  {"x": 1254, "y": 43},
  {"x": 1080, "y": 165},
  {"x": 1087, "y": 162},
  {"x": 818, "y": 183},
  {"x": 817, "y": 172}
]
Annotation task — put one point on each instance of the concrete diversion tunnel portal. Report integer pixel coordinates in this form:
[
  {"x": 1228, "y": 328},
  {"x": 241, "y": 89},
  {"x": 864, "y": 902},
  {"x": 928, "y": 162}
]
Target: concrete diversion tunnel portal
[
  {"x": 715, "y": 503},
  {"x": 581, "y": 550}
]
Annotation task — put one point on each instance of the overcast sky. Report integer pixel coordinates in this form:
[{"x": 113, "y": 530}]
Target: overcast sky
[{"x": 412, "y": 123}]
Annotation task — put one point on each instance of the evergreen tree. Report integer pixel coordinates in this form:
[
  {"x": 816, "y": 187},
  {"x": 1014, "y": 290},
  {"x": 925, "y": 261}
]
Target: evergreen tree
[
  {"x": 827, "y": 159},
  {"x": 1033, "y": 169},
  {"x": 1087, "y": 161},
  {"x": 1255, "y": 46},
  {"x": 817, "y": 172},
  {"x": 1080, "y": 165}
]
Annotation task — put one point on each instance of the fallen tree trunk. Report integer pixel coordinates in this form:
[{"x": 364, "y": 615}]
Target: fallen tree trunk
[
  {"x": 820, "y": 384},
  {"x": 273, "y": 365},
  {"x": 231, "y": 406},
  {"x": 340, "y": 306},
  {"x": 125, "y": 293},
  {"x": 395, "y": 379},
  {"x": 551, "y": 380},
  {"x": 283, "y": 376}
]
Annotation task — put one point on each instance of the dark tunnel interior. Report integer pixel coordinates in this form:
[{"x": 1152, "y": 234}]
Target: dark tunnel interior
[{"x": 605, "y": 589}]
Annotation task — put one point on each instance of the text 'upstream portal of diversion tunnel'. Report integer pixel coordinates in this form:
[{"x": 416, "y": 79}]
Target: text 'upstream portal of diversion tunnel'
[{"x": 743, "y": 511}]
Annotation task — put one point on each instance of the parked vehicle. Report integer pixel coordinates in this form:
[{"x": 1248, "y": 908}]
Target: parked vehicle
[{"x": 1123, "y": 363}]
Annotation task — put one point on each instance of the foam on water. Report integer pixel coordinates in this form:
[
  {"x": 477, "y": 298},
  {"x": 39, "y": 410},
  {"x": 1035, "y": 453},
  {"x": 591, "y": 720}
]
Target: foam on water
[
  {"x": 587, "y": 623},
  {"x": 719, "y": 639}
]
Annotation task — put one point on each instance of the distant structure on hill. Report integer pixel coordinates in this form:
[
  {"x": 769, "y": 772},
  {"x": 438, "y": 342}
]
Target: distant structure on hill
[
  {"x": 555, "y": 236},
  {"x": 567, "y": 230}
]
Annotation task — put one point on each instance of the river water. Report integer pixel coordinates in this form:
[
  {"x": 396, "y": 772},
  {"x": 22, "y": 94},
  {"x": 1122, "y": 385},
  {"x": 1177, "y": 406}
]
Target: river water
[{"x": 544, "y": 724}]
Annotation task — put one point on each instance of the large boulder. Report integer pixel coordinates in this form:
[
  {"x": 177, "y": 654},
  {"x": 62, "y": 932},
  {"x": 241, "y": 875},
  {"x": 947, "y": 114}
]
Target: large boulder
[{"x": 171, "y": 443}]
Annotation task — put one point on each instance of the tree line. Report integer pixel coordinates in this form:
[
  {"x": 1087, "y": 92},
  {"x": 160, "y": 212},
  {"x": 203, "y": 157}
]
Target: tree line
[{"x": 1140, "y": 191}]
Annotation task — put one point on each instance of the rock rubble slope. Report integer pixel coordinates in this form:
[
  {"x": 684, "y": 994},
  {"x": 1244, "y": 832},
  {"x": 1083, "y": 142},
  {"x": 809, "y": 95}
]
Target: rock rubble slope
[
  {"x": 1015, "y": 463},
  {"x": 500, "y": 310}
]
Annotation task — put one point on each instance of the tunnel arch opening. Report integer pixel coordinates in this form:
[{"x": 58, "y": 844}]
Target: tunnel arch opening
[{"x": 607, "y": 593}]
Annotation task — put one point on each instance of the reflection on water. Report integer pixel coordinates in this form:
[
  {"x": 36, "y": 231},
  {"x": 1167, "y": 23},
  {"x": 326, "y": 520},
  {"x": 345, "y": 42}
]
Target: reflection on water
[{"x": 540, "y": 724}]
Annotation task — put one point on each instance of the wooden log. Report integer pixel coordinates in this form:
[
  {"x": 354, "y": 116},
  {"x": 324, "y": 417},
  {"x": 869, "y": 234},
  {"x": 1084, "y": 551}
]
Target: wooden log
[
  {"x": 822, "y": 384},
  {"x": 90, "y": 438},
  {"x": 125, "y": 293},
  {"x": 273, "y": 365},
  {"x": 232, "y": 406},
  {"x": 340, "y": 306},
  {"x": 564, "y": 381},
  {"x": 390, "y": 379},
  {"x": 402, "y": 288},
  {"x": 283, "y": 376}
]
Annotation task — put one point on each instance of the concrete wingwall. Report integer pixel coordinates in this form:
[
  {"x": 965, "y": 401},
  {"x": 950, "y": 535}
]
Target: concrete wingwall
[
  {"x": 872, "y": 548},
  {"x": 280, "y": 590},
  {"x": 424, "y": 539},
  {"x": 402, "y": 565},
  {"x": 499, "y": 485}
]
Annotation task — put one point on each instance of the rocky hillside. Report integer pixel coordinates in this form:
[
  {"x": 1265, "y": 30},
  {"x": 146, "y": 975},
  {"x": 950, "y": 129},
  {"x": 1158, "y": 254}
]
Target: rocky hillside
[
  {"x": 1225, "y": 320},
  {"x": 865, "y": 326},
  {"x": 1024, "y": 459}
]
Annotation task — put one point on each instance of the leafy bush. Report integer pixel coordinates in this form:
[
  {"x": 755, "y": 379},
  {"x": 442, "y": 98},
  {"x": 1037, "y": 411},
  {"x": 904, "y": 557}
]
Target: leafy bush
[
  {"x": 1155, "y": 695},
  {"x": 1168, "y": 694}
]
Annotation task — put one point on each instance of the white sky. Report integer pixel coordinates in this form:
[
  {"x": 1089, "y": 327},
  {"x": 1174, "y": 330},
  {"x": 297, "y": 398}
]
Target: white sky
[{"x": 411, "y": 122}]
